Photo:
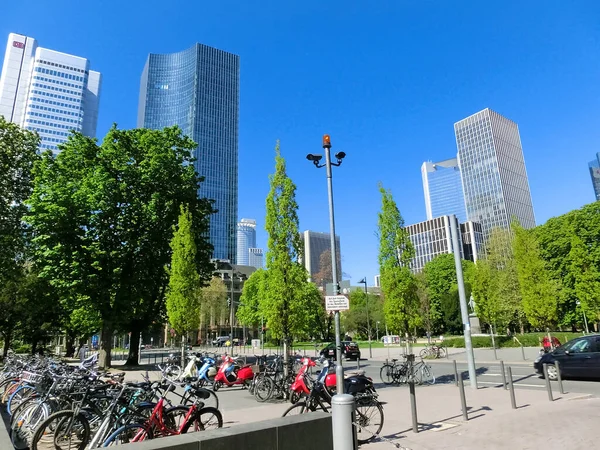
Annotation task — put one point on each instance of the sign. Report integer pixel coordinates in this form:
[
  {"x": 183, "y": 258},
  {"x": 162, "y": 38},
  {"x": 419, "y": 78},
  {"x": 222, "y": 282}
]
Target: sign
[
  {"x": 337, "y": 303},
  {"x": 256, "y": 343},
  {"x": 18, "y": 44}
]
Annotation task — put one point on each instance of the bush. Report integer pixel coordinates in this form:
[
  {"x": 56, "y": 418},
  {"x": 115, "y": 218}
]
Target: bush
[
  {"x": 527, "y": 340},
  {"x": 25, "y": 348}
]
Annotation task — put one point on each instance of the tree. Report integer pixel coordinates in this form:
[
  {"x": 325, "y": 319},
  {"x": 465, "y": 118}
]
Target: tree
[
  {"x": 538, "y": 291},
  {"x": 183, "y": 294},
  {"x": 213, "y": 308},
  {"x": 103, "y": 217},
  {"x": 586, "y": 277},
  {"x": 249, "y": 311},
  {"x": 355, "y": 319},
  {"x": 395, "y": 255}
]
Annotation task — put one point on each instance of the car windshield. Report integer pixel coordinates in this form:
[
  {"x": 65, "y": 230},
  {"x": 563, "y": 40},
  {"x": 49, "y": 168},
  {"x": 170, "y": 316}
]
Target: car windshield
[{"x": 575, "y": 346}]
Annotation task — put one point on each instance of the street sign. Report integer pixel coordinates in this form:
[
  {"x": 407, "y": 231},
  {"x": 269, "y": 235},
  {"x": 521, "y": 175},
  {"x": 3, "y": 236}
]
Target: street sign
[{"x": 337, "y": 303}]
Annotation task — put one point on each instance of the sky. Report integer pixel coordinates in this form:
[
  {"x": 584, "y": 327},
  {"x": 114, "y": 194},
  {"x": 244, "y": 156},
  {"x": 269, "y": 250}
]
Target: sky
[{"x": 386, "y": 79}]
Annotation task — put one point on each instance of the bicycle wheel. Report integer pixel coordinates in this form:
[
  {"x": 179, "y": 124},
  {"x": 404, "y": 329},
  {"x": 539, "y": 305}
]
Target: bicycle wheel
[
  {"x": 24, "y": 422},
  {"x": 298, "y": 408},
  {"x": 264, "y": 390},
  {"x": 4, "y": 385},
  {"x": 424, "y": 353},
  {"x": 173, "y": 372},
  {"x": 62, "y": 431},
  {"x": 134, "y": 432},
  {"x": 426, "y": 373},
  {"x": 205, "y": 419},
  {"x": 369, "y": 420},
  {"x": 9, "y": 390},
  {"x": 387, "y": 374},
  {"x": 21, "y": 394},
  {"x": 441, "y": 352}
]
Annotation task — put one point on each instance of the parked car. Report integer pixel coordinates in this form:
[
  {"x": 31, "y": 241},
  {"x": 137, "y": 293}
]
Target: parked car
[
  {"x": 578, "y": 358},
  {"x": 350, "y": 350},
  {"x": 220, "y": 341}
]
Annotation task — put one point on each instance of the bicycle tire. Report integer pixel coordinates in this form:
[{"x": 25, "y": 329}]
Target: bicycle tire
[
  {"x": 388, "y": 371},
  {"x": 26, "y": 420},
  {"x": 424, "y": 353},
  {"x": 298, "y": 408},
  {"x": 441, "y": 353},
  {"x": 363, "y": 420},
  {"x": 264, "y": 390},
  {"x": 18, "y": 396},
  {"x": 45, "y": 430},
  {"x": 4, "y": 385},
  {"x": 127, "y": 433},
  {"x": 9, "y": 390},
  {"x": 427, "y": 375},
  {"x": 202, "y": 420}
]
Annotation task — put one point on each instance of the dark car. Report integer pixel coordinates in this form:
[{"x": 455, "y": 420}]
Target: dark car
[
  {"x": 578, "y": 358},
  {"x": 350, "y": 350}
]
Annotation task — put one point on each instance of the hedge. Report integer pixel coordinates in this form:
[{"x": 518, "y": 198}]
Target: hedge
[{"x": 527, "y": 340}]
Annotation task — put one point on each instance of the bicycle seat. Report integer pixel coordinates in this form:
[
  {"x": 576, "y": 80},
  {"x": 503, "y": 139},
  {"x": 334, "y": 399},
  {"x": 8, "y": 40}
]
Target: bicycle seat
[
  {"x": 394, "y": 360},
  {"x": 140, "y": 385},
  {"x": 201, "y": 393}
]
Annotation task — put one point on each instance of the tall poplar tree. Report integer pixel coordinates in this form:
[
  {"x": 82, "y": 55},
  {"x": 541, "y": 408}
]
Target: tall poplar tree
[{"x": 398, "y": 285}]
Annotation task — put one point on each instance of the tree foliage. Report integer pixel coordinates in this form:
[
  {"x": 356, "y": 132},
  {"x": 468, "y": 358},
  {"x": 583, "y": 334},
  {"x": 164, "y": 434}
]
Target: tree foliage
[
  {"x": 355, "y": 319},
  {"x": 213, "y": 308},
  {"x": 395, "y": 254}
]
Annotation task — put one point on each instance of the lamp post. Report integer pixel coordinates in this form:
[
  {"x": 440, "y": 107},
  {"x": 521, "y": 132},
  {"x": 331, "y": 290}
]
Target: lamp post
[
  {"x": 378, "y": 330},
  {"x": 364, "y": 281},
  {"x": 339, "y": 371},
  {"x": 587, "y": 331}
]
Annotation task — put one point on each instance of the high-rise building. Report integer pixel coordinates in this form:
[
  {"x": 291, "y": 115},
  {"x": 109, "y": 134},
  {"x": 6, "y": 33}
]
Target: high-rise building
[
  {"x": 246, "y": 239},
  {"x": 198, "y": 89},
  {"x": 443, "y": 190},
  {"x": 255, "y": 258},
  {"x": 47, "y": 91},
  {"x": 432, "y": 238},
  {"x": 315, "y": 244},
  {"x": 594, "y": 167},
  {"x": 493, "y": 171},
  {"x": 377, "y": 280}
]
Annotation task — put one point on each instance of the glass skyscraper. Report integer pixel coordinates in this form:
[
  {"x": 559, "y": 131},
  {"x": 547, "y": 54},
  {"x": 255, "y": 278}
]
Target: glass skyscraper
[
  {"x": 443, "y": 190},
  {"x": 246, "y": 239},
  {"x": 493, "y": 171},
  {"x": 594, "y": 167},
  {"x": 198, "y": 89}
]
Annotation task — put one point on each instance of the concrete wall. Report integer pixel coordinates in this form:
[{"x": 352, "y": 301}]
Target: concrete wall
[
  {"x": 307, "y": 431},
  {"x": 5, "y": 442}
]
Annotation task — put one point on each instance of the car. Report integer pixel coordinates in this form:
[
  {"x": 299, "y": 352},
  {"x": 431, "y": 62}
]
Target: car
[
  {"x": 578, "y": 358},
  {"x": 220, "y": 341},
  {"x": 350, "y": 350}
]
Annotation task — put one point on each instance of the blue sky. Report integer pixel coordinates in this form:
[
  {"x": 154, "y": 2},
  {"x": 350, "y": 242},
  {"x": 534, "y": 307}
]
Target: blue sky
[{"x": 386, "y": 81}]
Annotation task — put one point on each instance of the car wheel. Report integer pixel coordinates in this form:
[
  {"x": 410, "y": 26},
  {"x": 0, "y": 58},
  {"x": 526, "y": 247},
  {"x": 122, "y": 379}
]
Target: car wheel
[{"x": 552, "y": 372}]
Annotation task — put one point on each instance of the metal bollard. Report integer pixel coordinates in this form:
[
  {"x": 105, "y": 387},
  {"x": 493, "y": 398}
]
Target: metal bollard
[
  {"x": 523, "y": 352},
  {"x": 559, "y": 378},
  {"x": 413, "y": 407},
  {"x": 357, "y": 363},
  {"x": 342, "y": 414},
  {"x": 455, "y": 373},
  {"x": 511, "y": 387},
  {"x": 503, "y": 374},
  {"x": 463, "y": 399},
  {"x": 548, "y": 385}
]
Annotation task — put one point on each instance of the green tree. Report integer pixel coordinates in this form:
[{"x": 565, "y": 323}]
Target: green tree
[
  {"x": 586, "y": 277},
  {"x": 249, "y": 312},
  {"x": 103, "y": 217},
  {"x": 183, "y": 294},
  {"x": 538, "y": 291},
  {"x": 395, "y": 254},
  {"x": 355, "y": 319},
  {"x": 214, "y": 309}
]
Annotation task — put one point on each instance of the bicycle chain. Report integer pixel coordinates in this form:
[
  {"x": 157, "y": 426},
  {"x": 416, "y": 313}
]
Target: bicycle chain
[{"x": 381, "y": 438}]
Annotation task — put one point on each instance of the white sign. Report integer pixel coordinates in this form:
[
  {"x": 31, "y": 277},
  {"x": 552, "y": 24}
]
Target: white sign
[
  {"x": 256, "y": 343},
  {"x": 337, "y": 303}
]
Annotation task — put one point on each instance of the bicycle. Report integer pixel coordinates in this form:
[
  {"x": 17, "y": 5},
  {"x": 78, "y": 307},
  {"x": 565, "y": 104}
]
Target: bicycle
[{"x": 433, "y": 351}]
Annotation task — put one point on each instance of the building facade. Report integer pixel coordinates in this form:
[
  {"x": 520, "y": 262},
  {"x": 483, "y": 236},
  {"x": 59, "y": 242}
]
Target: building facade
[
  {"x": 256, "y": 258},
  {"x": 442, "y": 186},
  {"x": 198, "y": 90},
  {"x": 315, "y": 244},
  {"x": 47, "y": 91},
  {"x": 433, "y": 237},
  {"x": 246, "y": 239},
  {"x": 492, "y": 166},
  {"x": 594, "y": 168}
]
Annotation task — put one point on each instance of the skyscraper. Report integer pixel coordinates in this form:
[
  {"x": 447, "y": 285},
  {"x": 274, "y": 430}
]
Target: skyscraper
[
  {"x": 315, "y": 244},
  {"x": 198, "y": 89},
  {"x": 255, "y": 258},
  {"x": 47, "y": 91},
  {"x": 443, "y": 190},
  {"x": 594, "y": 167},
  {"x": 246, "y": 239},
  {"x": 493, "y": 171}
]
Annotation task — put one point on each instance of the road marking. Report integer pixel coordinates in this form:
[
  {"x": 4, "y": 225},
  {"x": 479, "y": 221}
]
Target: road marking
[{"x": 516, "y": 384}]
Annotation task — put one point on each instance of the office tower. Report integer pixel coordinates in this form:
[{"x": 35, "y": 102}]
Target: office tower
[
  {"x": 493, "y": 171},
  {"x": 432, "y": 238},
  {"x": 377, "y": 280},
  {"x": 594, "y": 167},
  {"x": 246, "y": 239},
  {"x": 47, "y": 91},
  {"x": 315, "y": 244},
  {"x": 198, "y": 89},
  {"x": 443, "y": 190},
  {"x": 255, "y": 258}
]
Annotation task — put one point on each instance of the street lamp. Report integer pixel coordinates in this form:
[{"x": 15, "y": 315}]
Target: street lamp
[
  {"x": 364, "y": 281},
  {"x": 587, "y": 331},
  {"x": 316, "y": 159}
]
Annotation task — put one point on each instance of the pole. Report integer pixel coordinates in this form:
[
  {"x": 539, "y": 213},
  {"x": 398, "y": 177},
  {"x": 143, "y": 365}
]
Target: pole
[
  {"x": 464, "y": 312},
  {"x": 513, "y": 401},
  {"x": 455, "y": 373},
  {"x": 463, "y": 398},
  {"x": 559, "y": 378},
  {"x": 231, "y": 314},
  {"x": 368, "y": 323},
  {"x": 388, "y": 336},
  {"x": 548, "y": 385},
  {"x": 503, "y": 374},
  {"x": 587, "y": 331},
  {"x": 342, "y": 413},
  {"x": 262, "y": 334},
  {"x": 493, "y": 341},
  {"x": 339, "y": 370},
  {"x": 413, "y": 406}
]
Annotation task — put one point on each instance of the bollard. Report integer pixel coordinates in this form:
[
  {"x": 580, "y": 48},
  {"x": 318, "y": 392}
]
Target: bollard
[
  {"x": 503, "y": 374},
  {"x": 523, "y": 352},
  {"x": 455, "y": 373},
  {"x": 559, "y": 378},
  {"x": 548, "y": 386},
  {"x": 413, "y": 406},
  {"x": 357, "y": 363},
  {"x": 511, "y": 387},
  {"x": 463, "y": 400},
  {"x": 342, "y": 413}
]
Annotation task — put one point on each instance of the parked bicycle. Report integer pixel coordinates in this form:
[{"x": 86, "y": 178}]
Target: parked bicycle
[{"x": 407, "y": 371}]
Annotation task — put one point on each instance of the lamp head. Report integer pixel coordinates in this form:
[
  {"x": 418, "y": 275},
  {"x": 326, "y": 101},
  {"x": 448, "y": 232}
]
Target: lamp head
[{"x": 314, "y": 158}]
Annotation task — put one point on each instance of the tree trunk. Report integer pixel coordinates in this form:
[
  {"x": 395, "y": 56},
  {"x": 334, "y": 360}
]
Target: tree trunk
[
  {"x": 34, "y": 345},
  {"x": 69, "y": 344},
  {"x": 7, "y": 340},
  {"x": 104, "y": 359},
  {"x": 134, "y": 347}
]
